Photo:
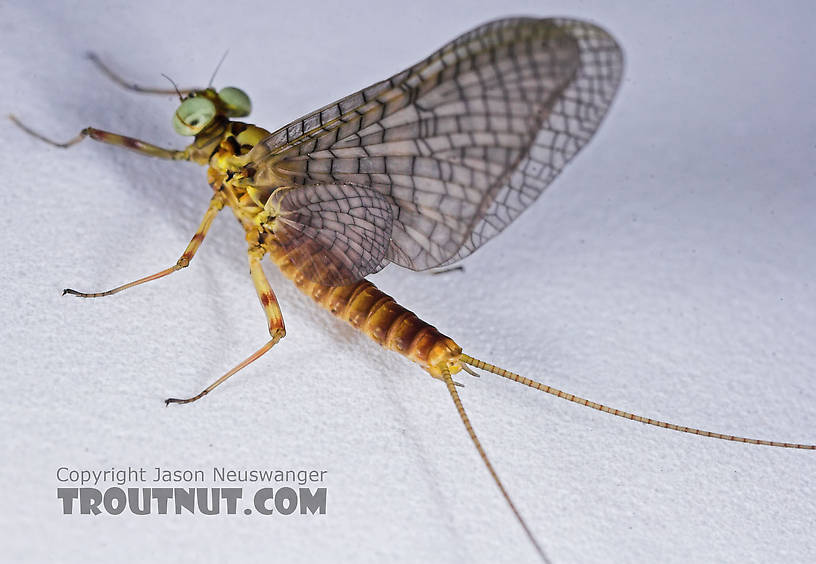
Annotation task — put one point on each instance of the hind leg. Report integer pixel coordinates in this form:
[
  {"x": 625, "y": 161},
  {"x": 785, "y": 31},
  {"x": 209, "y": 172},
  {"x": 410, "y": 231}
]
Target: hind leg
[{"x": 274, "y": 319}]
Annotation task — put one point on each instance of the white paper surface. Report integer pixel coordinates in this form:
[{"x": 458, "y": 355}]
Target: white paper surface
[{"x": 669, "y": 271}]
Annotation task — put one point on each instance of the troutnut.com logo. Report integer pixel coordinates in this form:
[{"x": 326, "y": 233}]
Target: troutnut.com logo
[{"x": 162, "y": 491}]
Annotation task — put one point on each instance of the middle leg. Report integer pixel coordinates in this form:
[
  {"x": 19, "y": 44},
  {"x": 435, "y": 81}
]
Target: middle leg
[{"x": 216, "y": 203}]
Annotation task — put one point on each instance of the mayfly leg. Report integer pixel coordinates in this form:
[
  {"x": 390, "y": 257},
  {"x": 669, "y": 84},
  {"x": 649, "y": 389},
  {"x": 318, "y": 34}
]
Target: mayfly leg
[
  {"x": 216, "y": 204},
  {"x": 111, "y": 139},
  {"x": 114, "y": 138},
  {"x": 446, "y": 377},
  {"x": 106, "y": 70},
  {"x": 274, "y": 319},
  {"x": 446, "y": 270}
]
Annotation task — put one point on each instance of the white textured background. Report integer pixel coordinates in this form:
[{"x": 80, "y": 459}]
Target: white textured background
[{"x": 669, "y": 271}]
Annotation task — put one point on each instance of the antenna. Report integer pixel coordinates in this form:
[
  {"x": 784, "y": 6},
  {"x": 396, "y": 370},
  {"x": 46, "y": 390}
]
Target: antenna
[
  {"x": 218, "y": 66},
  {"x": 181, "y": 98}
]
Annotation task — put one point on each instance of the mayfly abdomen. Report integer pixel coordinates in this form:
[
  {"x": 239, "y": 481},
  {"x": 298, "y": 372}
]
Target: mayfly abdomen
[{"x": 378, "y": 315}]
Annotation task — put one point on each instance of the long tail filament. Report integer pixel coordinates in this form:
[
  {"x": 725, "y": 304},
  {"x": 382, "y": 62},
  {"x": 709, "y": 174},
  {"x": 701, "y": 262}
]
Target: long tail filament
[
  {"x": 459, "y": 408},
  {"x": 625, "y": 414}
]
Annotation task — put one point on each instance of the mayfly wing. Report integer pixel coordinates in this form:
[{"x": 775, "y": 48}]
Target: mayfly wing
[
  {"x": 462, "y": 142},
  {"x": 336, "y": 233}
]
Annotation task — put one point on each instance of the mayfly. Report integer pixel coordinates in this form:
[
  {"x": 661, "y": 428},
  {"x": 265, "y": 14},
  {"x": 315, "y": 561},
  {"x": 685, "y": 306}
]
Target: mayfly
[{"x": 419, "y": 170}]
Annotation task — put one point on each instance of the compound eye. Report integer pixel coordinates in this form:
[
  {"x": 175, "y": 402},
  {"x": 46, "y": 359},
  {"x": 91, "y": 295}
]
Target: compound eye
[
  {"x": 236, "y": 101},
  {"x": 193, "y": 115}
]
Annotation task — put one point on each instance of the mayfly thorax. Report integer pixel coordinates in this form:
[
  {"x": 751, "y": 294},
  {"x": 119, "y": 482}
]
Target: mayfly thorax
[{"x": 419, "y": 170}]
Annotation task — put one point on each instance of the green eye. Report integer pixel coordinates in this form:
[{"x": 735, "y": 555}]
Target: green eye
[
  {"x": 236, "y": 101},
  {"x": 193, "y": 115}
]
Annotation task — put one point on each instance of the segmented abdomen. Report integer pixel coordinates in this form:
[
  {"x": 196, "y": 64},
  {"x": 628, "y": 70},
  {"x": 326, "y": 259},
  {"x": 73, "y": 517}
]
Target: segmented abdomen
[{"x": 376, "y": 314}]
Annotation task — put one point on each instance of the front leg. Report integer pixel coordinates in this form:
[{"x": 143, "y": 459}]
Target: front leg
[
  {"x": 274, "y": 319},
  {"x": 141, "y": 147}
]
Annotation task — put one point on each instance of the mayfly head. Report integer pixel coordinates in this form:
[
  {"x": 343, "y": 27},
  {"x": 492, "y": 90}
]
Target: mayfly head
[{"x": 200, "y": 108}]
